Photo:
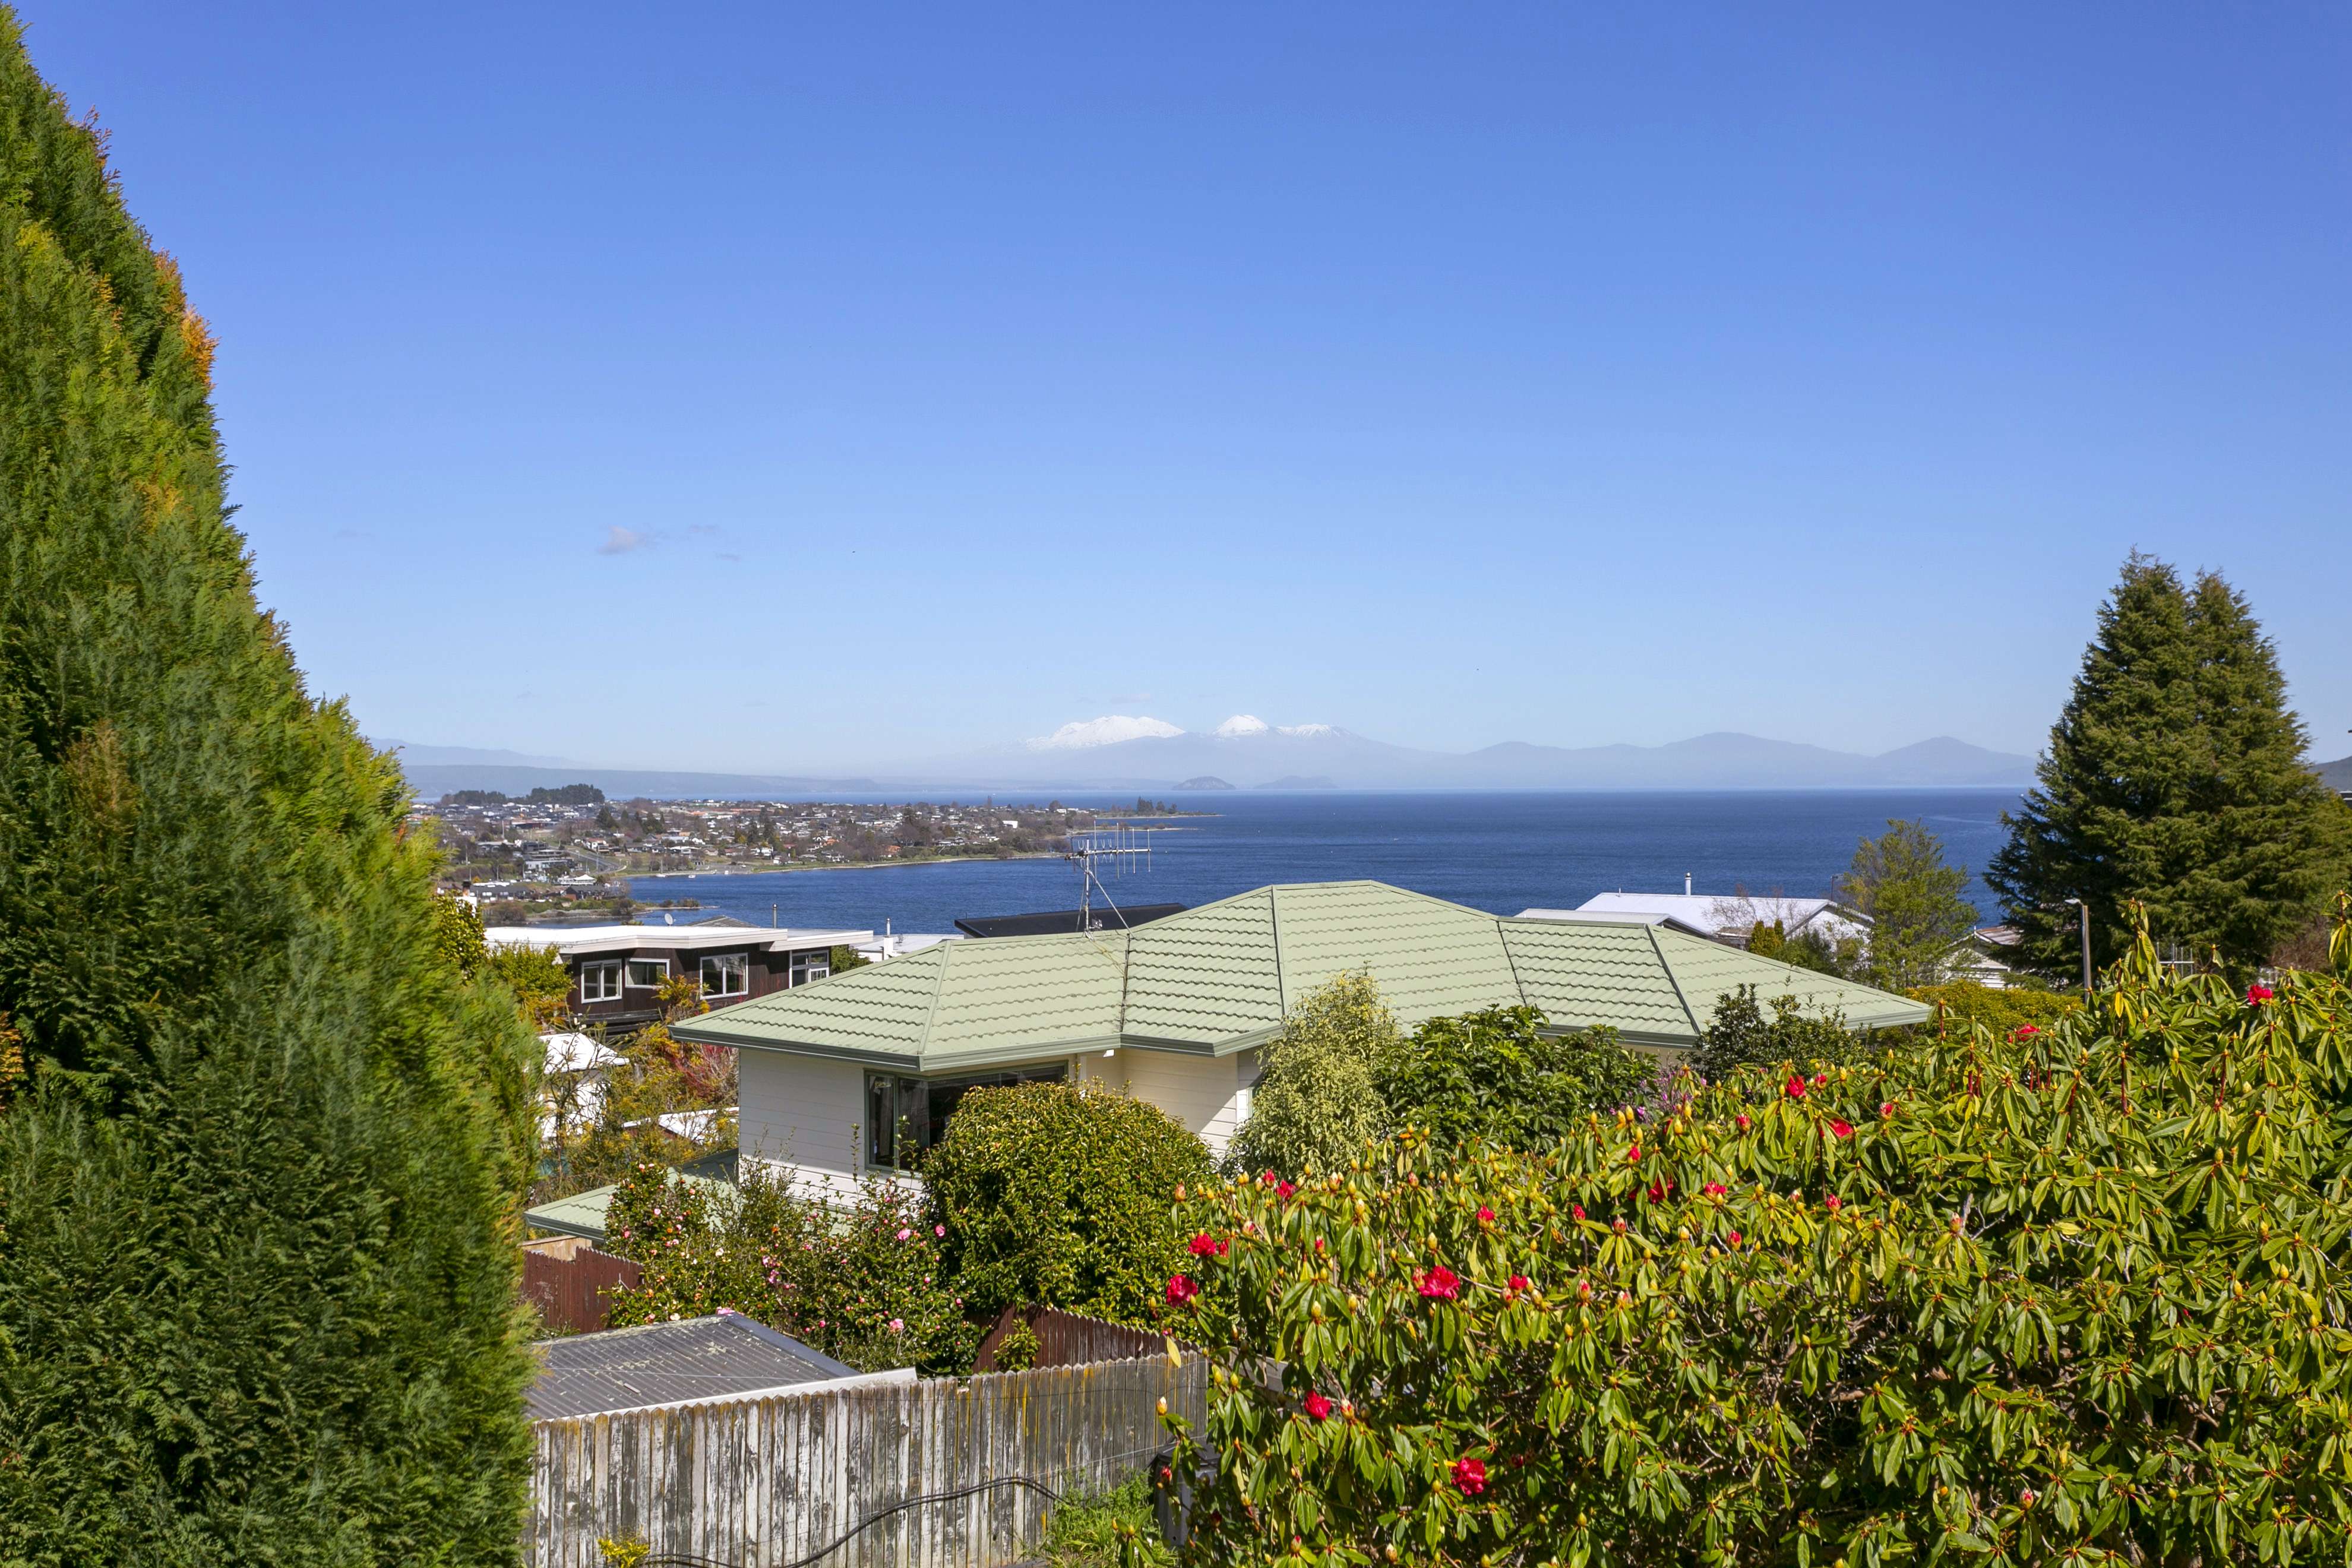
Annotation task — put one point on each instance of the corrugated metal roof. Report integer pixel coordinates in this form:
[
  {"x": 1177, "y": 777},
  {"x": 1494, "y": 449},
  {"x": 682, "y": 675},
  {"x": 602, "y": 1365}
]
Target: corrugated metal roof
[
  {"x": 1219, "y": 978},
  {"x": 725, "y": 1357}
]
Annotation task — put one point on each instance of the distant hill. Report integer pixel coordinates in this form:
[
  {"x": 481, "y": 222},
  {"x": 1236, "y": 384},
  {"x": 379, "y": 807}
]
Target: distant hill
[
  {"x": 1146, "y": 758},
  {"x": 2337, "y": 775},
  {"x": 1206, "y": 781},
  {"x": 435, "y": 771}
]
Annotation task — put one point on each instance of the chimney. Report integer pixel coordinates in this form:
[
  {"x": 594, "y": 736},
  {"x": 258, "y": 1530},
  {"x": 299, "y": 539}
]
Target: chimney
[{"x": 1686, "y": 884}]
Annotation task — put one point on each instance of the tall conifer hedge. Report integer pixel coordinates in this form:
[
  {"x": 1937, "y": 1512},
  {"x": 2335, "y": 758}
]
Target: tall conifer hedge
[{"x": 257, "y": 1224}]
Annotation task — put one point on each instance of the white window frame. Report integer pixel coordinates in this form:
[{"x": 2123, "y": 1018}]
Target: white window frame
[
  {"x": 607, "y": 973},
  {"x": 818, "y": 959},
  {"x": 634, "y": 984},
  {"x": 738, "y": 964}
]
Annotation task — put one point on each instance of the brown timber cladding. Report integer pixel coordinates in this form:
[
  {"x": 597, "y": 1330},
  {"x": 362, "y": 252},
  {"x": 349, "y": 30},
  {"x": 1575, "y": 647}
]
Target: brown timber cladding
[
  {"x": 761, "y": 1483},
  {"x": 1066, "y": 1339},
  {"x": 573, "y": 1283}
]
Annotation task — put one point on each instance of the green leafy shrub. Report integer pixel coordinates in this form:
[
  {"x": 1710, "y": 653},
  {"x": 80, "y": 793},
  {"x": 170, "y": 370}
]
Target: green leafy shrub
[
  {"x": 1318, "y": 1097},
  {"x": 2073, "y": 1296},
  {"x": 1739, "y": 1036},
  {"x": 1058, "y": 1195},
  {"x": 1495, "y": 1075},
  {"x": 257, "y": 1182},
  {"x": 863, "y": 1283},
  {"x": 1962, "y": 1003},
  {"x": 1116, "y": 1530}
]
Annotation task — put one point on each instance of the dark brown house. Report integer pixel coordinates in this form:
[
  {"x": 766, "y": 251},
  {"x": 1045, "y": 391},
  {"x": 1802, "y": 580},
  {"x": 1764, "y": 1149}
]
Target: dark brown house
[{"x": 618, "y": 970}]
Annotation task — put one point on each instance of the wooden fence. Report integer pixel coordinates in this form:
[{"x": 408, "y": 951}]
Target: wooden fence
[
  {"x": 1066, "y": 1339},
  {"x": 572, "y": 1283},
  {"x": 762, "y": 1483}
]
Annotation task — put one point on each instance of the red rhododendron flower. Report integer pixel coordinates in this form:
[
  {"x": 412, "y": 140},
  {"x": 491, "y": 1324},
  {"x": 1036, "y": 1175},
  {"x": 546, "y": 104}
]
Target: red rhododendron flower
[
  {"x": 1633, "y": 1155},
  {"x": 1576, "y": 1211},
  {"x": 1885, "y": 1109},
  {"x": 1438, "y": 1283},
  {"x": 1835, "y": 1203},
  {"x": 2026, "y": 1031},
  {"x": 1282, "y": 1189},
  {"x": 1618, "y": 1225},
  {"x": 1518, "y": 1283},
  {"x": 1714, "y": 1189},
  {"x": 1657, "y": 1194},
  {"x": 1584, "y": 1289},
  {"x": 1741, "y": 1120},
  {"x": 1485, "y": 1214},
  {"x": 1794, "y": 1088},
  {"x": 1820, "y": 1079},
  {"x": 1733, "y": 1239},
  {"x": 1841, "y": 1128},
  {"x": 2258, "y": 994},
  {"x": 1469, "y": 1477},
  {"x": 1207, "y": 1246},
  {"x": 1316, "y": 1405},
  {"x": 1181, "y": 1290}
]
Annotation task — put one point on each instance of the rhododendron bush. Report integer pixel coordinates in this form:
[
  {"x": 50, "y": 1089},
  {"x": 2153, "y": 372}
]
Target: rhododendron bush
[{"x": 2072, "y": 1294}]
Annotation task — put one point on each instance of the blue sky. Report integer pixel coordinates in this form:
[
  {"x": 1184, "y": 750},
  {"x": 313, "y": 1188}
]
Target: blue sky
[{"x": 1455, "y": 375}]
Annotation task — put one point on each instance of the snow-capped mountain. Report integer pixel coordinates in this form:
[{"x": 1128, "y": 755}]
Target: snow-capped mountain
[{"x": 1107, "y": 730}]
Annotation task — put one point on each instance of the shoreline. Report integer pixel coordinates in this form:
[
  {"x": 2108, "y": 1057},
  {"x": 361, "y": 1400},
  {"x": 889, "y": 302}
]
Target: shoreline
[{"x": 852, "y": 866}]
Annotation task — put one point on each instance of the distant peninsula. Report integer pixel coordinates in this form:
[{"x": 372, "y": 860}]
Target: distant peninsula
[{"x": 1293, "y": 781}]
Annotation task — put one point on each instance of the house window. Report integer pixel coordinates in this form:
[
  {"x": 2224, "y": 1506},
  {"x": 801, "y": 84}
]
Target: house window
[
  {"x": 904, "y": 1115},
  {"x": 600, "y": 983},
  {"x": 646, "y": 973},
  {"x": 727, "y": 975},
  {"x": 813, "y": 965}
]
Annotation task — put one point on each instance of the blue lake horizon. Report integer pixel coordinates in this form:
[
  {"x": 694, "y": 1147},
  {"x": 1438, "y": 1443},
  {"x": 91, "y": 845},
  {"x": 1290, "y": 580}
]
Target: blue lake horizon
[{"x": 1501, "y": 851}]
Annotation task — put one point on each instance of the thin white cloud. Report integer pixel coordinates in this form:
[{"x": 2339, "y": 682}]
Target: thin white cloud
[{"x": 619, "y": 541}]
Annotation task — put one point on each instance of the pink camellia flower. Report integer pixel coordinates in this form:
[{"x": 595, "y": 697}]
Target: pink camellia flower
[
  {"x": 898, "y": 1325},
  {"x": 1181, "y": 1290},
  {"x": 1576, "y": 1211},
  {"x": 1438, "y": 1283},
  {"x": 2258, "y": 994},
  {"x": 1714, "y": 1189},
  {"x": 1835, "y": 1203},
  {"x": 1485, "y": 1214},
  {"x": 939, "y": 1230},
  {"x": 1740, "y": 1121},
  {"x": 1469, "y": 1477},
  {"x": 1841, "y": 1128},
  {"x": 904, "y": 1234},
  {"x": 1316, "y": 1407},
  {"x": 1794, "y": 1088}
]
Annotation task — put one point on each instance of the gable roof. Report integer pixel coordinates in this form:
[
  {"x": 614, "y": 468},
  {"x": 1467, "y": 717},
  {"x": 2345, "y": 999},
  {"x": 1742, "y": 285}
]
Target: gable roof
[
  {"x": 1217, "y": 979},
  {"x": 1054, "y": 923}
]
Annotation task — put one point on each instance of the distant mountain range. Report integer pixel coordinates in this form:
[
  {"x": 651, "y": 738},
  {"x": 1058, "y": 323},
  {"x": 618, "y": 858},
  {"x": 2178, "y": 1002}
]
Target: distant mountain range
[
  {"x": 1123, "y": 752},
  {"x": 2337, "y": 775},
  {"x": 435, "y": 771}
]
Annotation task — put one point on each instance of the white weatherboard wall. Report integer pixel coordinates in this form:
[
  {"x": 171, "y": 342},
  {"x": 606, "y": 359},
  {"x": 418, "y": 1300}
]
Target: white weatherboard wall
[
  {"x": 805, "y": 1114},
  {"x": 1210, "y": 1095}
]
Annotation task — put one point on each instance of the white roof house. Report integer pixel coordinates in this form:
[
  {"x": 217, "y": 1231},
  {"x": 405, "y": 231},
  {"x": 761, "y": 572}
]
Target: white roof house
[
  {"x": 899, "y": 944},
  {"x": 1725, "y": 917}
]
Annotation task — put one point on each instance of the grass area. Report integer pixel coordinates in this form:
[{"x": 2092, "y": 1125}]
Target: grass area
[{"x": 1085, "y": 1532}]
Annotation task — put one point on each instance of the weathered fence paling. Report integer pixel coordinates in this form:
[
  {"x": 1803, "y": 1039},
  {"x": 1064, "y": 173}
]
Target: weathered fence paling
[{"x": 761, "y": 1483}]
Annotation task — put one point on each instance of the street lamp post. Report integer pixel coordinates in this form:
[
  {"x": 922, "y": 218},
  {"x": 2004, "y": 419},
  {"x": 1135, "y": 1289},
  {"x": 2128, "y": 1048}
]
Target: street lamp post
[{"x": 2083, "y": 924}]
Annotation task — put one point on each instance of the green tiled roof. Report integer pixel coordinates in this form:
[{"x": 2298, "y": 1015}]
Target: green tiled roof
[{"x": 1217, "y": 979}]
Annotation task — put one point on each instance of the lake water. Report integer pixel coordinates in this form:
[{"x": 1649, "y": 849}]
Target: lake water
[{"x": 1502, "y": 852}]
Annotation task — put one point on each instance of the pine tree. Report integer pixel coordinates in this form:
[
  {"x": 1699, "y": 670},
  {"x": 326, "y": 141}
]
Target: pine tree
[
  {"x": 257, "y": 1181},
  {"x": 1914, "y": 900},
  {"x": 2174, "y": 779}
]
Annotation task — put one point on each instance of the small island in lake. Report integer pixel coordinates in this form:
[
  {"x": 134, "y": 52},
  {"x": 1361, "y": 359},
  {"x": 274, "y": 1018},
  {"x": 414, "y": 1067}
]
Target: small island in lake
[{"x": 1206, "y": 781}]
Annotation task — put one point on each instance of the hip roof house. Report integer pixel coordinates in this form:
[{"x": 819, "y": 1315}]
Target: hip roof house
[{"x": 836, "y": 1078}]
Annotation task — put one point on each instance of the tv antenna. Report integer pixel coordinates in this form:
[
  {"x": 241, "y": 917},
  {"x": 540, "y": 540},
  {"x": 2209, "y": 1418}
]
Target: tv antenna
[{"x": 1121, "y": 847}]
